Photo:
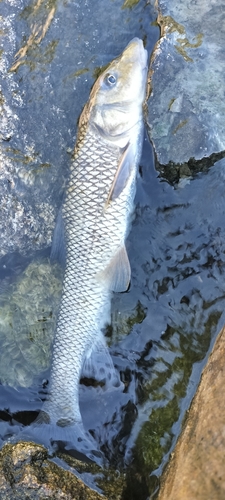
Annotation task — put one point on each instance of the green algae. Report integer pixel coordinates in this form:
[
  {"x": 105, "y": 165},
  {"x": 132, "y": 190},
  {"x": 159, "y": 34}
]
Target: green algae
[
  {"x": 122, "y": 324},
  {"x": 128, "y": 4},
  {"x": 184, "y": 44},
  {"x": 2, "y": 99},
  {"x": 49, "y": 52},
  {"x": 169, "y": 25},
  {"x": 37, "y": 9},
  {"x": 79, "y": 72},
  {"x": 38, "y": 55},
  {"x": 39, "y": 16},
  {"x": 154, "y": 439},
  {"x": 20, "y": 157},
  {"x": 76, "y": 74},
  {"x": 167, "y": 388},
  {"x": 99, "y": 70},
  {"x": 110, "y": 481},
  {"x": 171, "y": 103}
]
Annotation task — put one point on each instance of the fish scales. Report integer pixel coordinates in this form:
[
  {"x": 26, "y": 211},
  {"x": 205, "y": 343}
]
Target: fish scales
[
  {"x": 92, "y": 238},
  {"x": 95, "y": 220}
]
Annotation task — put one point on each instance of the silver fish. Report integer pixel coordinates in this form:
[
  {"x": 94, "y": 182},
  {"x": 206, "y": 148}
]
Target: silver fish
[{"x": 95, "y": 217}]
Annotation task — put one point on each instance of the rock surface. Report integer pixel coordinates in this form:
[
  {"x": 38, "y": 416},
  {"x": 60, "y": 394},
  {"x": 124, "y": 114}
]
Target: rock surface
[
  {"x": 186, "y": 106},
  {"x": 26, "y": 472},
  {"x": 49, "y": 55},
  {"x": 196, "y": 469},
  {"x": 27, "y": 321}
]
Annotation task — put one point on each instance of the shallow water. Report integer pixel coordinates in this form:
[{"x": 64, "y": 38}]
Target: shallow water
[
  {"x": 163, "y": 328},
  {"x": 161, "y": 333},
  {"x": 177, "y": 252}
]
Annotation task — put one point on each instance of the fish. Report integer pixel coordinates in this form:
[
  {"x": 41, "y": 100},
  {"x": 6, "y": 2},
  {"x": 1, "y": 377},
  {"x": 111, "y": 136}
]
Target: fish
[{"x": 93, "y": 225}]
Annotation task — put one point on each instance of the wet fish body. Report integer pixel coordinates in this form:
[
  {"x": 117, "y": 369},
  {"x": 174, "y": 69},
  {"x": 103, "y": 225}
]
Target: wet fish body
[{"x": 95, "y": 220}]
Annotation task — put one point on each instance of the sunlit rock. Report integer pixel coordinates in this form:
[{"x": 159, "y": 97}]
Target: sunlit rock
[
  {"x": 196, "y": 469},
  {"x": 27, "y": 472}
]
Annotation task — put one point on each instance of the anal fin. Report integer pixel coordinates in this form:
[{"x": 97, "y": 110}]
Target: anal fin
[{"x": 99, "y": 365}]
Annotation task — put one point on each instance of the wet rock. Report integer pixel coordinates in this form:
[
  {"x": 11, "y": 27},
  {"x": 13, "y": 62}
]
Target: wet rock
[
  {"x": 49, "y": 55},
  {"x": 196, "y": 469},
  {"x": 26, "y": 472},
  {"x": 28, "y": 309},
  {"x": 186, "y": 106}
]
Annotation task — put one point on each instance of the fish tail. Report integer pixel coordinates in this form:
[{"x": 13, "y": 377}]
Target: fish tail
[{"x": 72, "y": 439}]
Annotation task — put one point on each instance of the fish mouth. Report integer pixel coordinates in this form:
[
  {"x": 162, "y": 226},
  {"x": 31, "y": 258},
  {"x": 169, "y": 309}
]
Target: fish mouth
[{"x": 136, "y": 53}]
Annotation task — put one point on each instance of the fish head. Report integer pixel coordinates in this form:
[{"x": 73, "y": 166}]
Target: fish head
[{"x": 116, "y": 99}]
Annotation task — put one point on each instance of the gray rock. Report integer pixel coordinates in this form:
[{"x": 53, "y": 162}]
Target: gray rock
[
  {"x": 26, "y": 472},
  {"x": 28, "y": 311},
  {"x": 186, "y": 106},
  {"x": 49, "y": 55}
]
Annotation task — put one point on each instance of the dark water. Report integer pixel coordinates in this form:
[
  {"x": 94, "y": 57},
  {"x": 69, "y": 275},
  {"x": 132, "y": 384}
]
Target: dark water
[
  {"x": 163, "y": 328},
  {"x": 174, "y": 308}
]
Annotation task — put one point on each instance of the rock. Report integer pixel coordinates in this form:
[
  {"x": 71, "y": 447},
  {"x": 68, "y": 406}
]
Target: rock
[
  {"x": 196, "y": 469},
  {"x": 186, "y": 106},
  {"x": 26, "y": 472},
  {"x": 49, "y": 56},
  {"x": 28, "y": 309}
]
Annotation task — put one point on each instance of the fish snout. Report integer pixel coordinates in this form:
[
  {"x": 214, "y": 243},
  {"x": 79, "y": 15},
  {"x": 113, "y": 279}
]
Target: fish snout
[{"x": 135, "y": 53}]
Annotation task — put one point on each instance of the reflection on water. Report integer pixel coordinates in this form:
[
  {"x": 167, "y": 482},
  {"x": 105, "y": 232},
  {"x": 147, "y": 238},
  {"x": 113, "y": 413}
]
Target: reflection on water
[{"x": 161, "y": 331}]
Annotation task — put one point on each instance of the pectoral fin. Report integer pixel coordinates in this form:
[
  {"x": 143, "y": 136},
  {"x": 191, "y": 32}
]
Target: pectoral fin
[
  {"x": 117, "y": 274},
  {"x": 122, "y": 174}
]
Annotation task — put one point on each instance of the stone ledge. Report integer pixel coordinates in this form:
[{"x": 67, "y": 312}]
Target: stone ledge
[{"x": 196, "y": 469}]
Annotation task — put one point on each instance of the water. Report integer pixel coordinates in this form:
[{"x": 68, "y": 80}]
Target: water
[{"x": 163, "y": 328}]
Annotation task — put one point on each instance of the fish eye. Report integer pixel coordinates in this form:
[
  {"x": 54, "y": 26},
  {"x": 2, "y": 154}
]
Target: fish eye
[{"x": 110, "y": 79}]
